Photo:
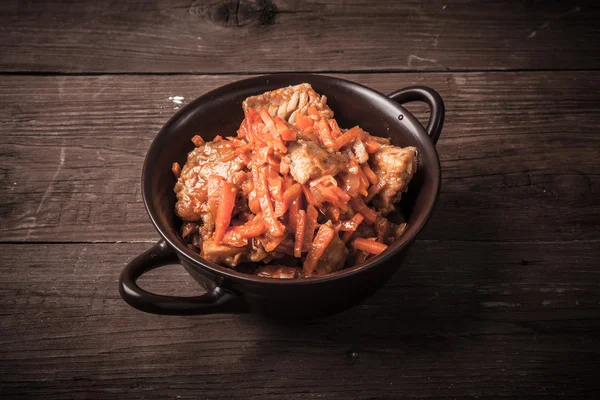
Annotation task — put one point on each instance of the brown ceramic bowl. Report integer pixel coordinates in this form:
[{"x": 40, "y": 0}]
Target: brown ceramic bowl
[{"x": 219, "y": 113}]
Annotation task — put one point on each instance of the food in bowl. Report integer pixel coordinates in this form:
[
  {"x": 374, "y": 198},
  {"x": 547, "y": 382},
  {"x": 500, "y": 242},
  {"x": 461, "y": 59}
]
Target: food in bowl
[{"x": 293, "y": 194}]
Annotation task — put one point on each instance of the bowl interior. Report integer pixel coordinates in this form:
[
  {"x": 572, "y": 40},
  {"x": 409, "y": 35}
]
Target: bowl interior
[{"x": 220, "y": 113}]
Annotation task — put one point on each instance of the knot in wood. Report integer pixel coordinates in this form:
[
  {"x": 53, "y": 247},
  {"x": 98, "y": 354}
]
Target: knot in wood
[{"x": 235, "y": 13}]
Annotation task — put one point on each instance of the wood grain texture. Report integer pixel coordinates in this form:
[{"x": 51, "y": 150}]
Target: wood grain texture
[
  {"x": 239, "y": 36},
  {"x": 519, "y": 153},
  {"x": 458, "y": 320}
]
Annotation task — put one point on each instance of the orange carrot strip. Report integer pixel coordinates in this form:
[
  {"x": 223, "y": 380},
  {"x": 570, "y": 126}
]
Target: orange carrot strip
[
  {"x": 353, "y": 223},
  {"x": 364, "y": 182},
  {"x": 275, "y": 189},
  {"x": 290, "y": 194},
  {"x": 371, "y": 146},
  {"x": 374, "y": 190},
  {"x": 248, "y": 230},
  {"x": 283, "y": 130},
  {"x": 274, "y": 227},
  {"x": 324, "y": 133},
  {"x": 226, "y": 204},
  {"x": 238, "y": 235},
  {"x": 343, "y": 196},
  {"x": 218, "y": 138},
  {"x": 277, "y": 143},
  {"x": 370, "y": 174},
  {"x": 197, "y": 140},
  {"x": 234, "y": 240},
  {"x": 214, "y": 186},
  {"x": 322, "y": 240},
  {"x": 359, "y": 205},
  {"x": 335, "y": 128},
  {"x": 312, "y": 110},
  {"x": 300, "y": 229},
  {"x": 353, "y": 167},
  {"x": 253, "y": 202},
  {"x": 369, "y": 245},
  {"x": 311, "y": 225},
  {"x": 295, "y": 208},
  {"x": 303, "y": 122},
  {"x": 310, "y": 196},
  {"x": 347, "y": 137}
]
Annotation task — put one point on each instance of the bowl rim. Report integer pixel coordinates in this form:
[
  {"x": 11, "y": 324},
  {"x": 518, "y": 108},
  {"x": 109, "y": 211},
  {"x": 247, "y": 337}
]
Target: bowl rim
[{"x": 234, "y": 275}]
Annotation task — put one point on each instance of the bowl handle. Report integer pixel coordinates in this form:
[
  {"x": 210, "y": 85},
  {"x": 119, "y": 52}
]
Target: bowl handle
[
  {"x": 216, "y": 301},
  {"x": 432, "y": 99}
]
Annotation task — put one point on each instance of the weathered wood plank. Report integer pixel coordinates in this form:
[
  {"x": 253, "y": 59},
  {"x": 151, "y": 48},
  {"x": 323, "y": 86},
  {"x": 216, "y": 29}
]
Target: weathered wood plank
[
  {"x": 489, "y": 320},
  {"x": 291, "y": 35},
  {"x": 519, "y": 153}
]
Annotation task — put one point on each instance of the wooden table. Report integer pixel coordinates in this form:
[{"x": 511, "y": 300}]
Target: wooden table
[{"x": 500, "y": 296}]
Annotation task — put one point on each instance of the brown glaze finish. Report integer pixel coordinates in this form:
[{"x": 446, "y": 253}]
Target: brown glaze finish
[{"x": 219, "y": 112}]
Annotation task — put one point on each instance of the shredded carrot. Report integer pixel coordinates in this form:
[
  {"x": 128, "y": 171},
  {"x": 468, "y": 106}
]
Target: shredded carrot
[
  {"x": 295, "y": 208},
  {"x": 197, "y": 140},
  {"x": 310, "y": 196},
  {"x": 253, "y": 202},
  {"x": 373, "y": 180},
  {"x": 311, "y": 225},
  {"x": 306, "y": 220},
  {"x": 226, "y": 204},
  {"x": 347, "y": 137},
  {"x": 364, "y": 182},
  {"x": 275, "y": 189},
  {"x": 274, "y": 227},
  {"x": 335, "y": 129},
  {"x": 374, "y": 190},
  {"x": 343, "y": 196},
  {"x": 248, "y": 230},
  {"x": 214, "y": 186},
  {"x": 322, "y": 239},
  {"x": 300, "y": 229},
  {"x": 312, "y": 110},
  {"x": 352, "y": 224},
  {"x": 290, "y": 194},
  {"x": 324, "y": 133},
  {"x": 371, "y": 146},
  {"x": 303, "y": 122},
  {"x": 359, "y": 206},
  {"x": 353, "y": 167},
  {"x": 369, "y": 245},
  {"x": 283, "y": 130}
]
